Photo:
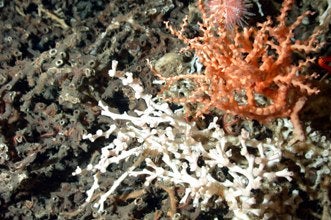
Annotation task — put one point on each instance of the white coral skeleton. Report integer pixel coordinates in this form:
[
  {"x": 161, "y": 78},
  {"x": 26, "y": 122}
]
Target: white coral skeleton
[{"x": 181, "y": 145}]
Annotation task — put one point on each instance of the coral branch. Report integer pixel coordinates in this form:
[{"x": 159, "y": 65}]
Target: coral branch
[{"x": 249, "y": 72}]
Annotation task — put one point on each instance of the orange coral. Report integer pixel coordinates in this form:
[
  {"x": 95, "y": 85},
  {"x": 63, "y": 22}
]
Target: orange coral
[{"x": 249, "y": 72}]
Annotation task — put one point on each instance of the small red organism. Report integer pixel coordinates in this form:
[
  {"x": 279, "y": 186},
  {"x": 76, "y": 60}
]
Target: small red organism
[{"x": 323, "y": 62}]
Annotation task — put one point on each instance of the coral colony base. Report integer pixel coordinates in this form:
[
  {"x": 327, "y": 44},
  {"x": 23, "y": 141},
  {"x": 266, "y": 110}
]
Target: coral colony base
[{"x": 211, "y": 168}]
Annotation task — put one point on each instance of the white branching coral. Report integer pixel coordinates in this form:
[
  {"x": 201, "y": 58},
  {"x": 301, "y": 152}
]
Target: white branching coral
[{"x": 211, "y": 168}]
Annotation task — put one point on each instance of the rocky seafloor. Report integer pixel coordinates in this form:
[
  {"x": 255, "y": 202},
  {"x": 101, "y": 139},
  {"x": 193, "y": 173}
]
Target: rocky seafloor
[{"x": 54, "y": 63}]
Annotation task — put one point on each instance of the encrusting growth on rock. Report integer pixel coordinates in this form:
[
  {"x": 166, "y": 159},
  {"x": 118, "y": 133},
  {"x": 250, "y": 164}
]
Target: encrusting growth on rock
[{"x": 249, "y": 71}]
